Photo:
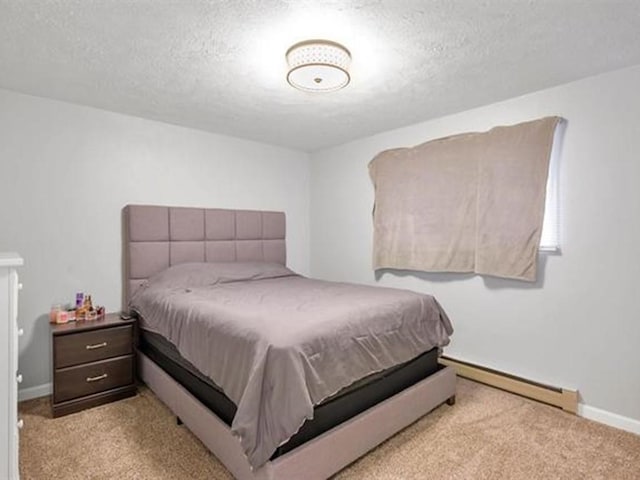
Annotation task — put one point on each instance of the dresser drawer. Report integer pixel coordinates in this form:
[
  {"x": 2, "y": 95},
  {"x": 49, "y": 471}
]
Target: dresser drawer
[
  {"x": 77, "y": 348},
  {"x": 74, "y": 382}
]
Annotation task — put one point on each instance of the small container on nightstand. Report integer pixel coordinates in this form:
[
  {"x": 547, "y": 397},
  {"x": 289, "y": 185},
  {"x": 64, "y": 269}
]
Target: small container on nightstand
[{"x": 93, "y": 363}]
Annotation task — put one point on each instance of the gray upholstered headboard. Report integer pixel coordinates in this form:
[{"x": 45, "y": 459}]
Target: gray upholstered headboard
[{"x": 157, "y": 237}]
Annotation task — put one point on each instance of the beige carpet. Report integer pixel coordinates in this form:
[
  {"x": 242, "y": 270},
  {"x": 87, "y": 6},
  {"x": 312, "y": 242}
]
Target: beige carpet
[{"x": 488, "y": 434}]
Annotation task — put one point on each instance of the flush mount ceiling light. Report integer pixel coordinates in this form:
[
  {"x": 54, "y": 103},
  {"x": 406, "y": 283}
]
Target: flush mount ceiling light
[{"x": 318, "y": 66}]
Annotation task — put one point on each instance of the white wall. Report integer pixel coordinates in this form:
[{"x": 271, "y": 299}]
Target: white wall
[
  {"x": 579, "y": 325},
  {"x": 66, "y": 171}
]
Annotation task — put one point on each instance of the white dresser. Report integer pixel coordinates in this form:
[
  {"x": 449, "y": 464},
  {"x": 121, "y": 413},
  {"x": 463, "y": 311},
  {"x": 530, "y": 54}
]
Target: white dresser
[{"x": 9, "y": 377}]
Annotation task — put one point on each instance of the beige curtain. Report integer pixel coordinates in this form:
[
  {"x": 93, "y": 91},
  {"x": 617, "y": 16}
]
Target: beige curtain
[{"x": 468, "y": 203}]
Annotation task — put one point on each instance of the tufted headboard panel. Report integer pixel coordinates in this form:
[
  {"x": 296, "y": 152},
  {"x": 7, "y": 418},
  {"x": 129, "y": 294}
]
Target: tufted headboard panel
[{"x": 157, "y": 237}]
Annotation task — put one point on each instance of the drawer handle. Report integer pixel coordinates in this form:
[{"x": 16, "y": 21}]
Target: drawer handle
[
  {"x": 97, "y": 345},
  {"x": 20, "y": 424},
  {"x": 98, "y": 378}
]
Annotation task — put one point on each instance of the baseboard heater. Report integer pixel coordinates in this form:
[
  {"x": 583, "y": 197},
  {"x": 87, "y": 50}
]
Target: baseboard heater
[{"x": 567, "y": 400}]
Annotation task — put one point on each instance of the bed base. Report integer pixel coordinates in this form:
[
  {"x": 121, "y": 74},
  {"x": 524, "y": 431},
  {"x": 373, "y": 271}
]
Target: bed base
[{"x": 320, "y": 457}]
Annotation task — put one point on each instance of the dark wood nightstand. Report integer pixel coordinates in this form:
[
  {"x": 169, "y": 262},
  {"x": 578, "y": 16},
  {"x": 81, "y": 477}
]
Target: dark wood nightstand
[{"x": 93, "y": 363}]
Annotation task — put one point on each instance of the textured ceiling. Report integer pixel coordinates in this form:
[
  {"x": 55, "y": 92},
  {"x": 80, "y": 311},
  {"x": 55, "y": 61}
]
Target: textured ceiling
[{"x": 219, "y": 65}]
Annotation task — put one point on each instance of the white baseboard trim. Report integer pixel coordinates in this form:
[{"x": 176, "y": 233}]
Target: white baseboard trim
[
  {"x": 34, "y": 392},
  {"x": 608, "y": 418},
  {"x": 586, "y": 411}
]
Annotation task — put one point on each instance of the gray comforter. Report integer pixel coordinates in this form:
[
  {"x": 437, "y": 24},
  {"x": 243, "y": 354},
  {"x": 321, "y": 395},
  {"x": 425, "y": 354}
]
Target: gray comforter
[{"x": 278, "y": 343}]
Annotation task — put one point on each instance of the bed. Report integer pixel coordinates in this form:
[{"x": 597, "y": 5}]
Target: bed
[{"x": 330, "y": 427}]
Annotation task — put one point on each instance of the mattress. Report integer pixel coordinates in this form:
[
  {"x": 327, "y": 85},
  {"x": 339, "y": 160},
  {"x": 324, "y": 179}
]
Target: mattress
[{"x": 345, "y": 404}]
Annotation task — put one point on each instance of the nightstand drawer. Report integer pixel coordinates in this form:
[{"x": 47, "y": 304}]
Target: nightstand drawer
[
  {"x": 77, "y": 348},
  {"x": 74, "y": 382}
]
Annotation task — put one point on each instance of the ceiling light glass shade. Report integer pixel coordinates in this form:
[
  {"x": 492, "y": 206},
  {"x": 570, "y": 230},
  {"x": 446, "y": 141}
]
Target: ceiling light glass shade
[{"x": 318, "y": 66}]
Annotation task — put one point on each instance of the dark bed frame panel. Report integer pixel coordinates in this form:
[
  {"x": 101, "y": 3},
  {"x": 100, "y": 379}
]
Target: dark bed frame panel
[{"x": 156, "y": 237}]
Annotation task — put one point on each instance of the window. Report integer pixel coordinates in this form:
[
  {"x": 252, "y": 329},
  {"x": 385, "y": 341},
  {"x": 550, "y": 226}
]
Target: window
[
  {"x": 550, "y": 239},
  {"x": 470, "y": 202}
]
